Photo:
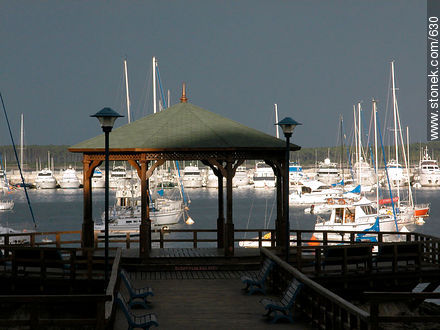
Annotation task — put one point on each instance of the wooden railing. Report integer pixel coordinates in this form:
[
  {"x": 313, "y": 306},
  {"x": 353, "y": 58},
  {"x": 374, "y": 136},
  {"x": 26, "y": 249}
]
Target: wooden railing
[
  {"x": 208, "y": 237},
  {"x": 50, "y": 262},
  {"x": 326, "y": 309},
  {"x": 377, "y": 298},
  {"x": 59, "y": 310},
  {"x": 38, "y": 305},
  {"x": 330, "y": 311}
]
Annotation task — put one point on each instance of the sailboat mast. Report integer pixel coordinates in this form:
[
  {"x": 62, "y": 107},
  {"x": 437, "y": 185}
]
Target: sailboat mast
[
  {"x": 395, "y": 128},
  {"x": 21, "y": 140},
  {"x": 341, "y": 120},
  {"x": 276, "y": 120},
  {"x": 376, "y": 157},
  {"x": 360, "y": 146},
  {"x": 126, "y": 91},
  {"x": 355, "y": 137},
  {"x": 154, "y": 85}
]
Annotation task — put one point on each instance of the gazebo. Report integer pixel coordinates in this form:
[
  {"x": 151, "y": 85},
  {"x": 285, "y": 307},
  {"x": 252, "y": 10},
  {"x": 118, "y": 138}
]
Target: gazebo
[{"x": 186, "y": 132}]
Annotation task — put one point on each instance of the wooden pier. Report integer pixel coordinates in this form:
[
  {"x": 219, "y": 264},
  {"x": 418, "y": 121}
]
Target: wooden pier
[{"x": 346, "y": 286}]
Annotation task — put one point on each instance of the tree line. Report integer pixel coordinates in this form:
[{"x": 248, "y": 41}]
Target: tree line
[{"x": 36, "y": 156}]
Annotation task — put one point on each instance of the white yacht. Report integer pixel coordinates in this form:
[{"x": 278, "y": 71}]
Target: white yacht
[
  {"x": 364, "y": 175},
  {"x": 395, "y": 174},
  {"x": 295, "y": 173},
  {"x": 328, "y": 172},
  {"x": 428, "y": 171},
  {"x": 264, "y": 176},
  {"x": 117, "y": 175},
  {"x": 192, "y": 177},
  {"x": 98, "y": 180},
  {"x": 357, "y": 216},
  {"x": 211, "y": 180},
  {"x": 313, "y": 192},
  {"x": 241, "y": 177},
  {"x": 45, "y": 180},
  {"x": 69, "y": 180},
  {"x": 125, "y": 216},
  {"x": 3, "y": 180}
]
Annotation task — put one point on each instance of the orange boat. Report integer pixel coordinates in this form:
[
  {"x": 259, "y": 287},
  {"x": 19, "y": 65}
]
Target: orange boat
[{"x": 421, "y": 210}]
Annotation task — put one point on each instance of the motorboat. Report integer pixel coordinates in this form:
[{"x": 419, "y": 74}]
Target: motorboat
[
  {"x": 328, "y": 172},
  {"x": 428, "y": 173},
  {"x": 211, "y": 180},
  {"x": 295, "y": 173},
  {"x": 98, "y": 180},
  {"x": 117, "y": 175},
  {"x": 192, "y": 177},
  {"x": 313, "y": 192},
  {"x": 395, "y": 174},
  {"x": 16, "y": 238},
  {"x": 45, "y": 179},
  {"x": 264, "y": 176},
  {"x": 3, "y": 180},
  {"x": 365, "y": 175},
  {"x": 6, "y": 205},
  {"x": 241, "y": 177},
  {"x": 357, "y": 216},
  {"x": 69, "y": 180}
]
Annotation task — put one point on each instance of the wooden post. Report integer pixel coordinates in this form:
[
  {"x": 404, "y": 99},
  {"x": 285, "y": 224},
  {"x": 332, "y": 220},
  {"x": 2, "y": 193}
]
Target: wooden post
[
  {"x": 229, "y": 226},
  {"x": 221, "y": 213},
  {"x": 145, "y": 227}
]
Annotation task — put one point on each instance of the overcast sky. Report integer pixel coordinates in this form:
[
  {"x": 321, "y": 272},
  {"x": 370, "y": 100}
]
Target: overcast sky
[{"x": 62, "y": 61}]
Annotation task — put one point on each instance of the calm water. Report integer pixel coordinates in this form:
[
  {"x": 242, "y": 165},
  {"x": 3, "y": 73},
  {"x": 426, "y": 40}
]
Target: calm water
[{"x": 60, "y": 210}]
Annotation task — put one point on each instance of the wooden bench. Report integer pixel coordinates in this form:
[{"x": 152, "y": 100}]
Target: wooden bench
[
  {"x": 257, "y": 282},
  {"x": 144, "y": 321},
  {"x": 283, "y": 308},
  {"x": 138, "y": 296}
]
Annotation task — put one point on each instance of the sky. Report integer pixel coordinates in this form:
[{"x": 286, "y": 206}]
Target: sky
[{"x": 62, "y": 61}]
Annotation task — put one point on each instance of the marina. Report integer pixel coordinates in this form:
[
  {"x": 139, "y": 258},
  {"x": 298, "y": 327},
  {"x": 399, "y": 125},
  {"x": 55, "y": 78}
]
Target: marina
[{"x": 225, "y": 189}]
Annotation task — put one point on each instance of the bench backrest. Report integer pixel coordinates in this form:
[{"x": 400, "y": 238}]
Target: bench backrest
[
  {"x": 265, "y": 270},
  {"x": 126, "y": 281},
  {"x": 123, "y": 304},
  {"x": 290, "y": 294}
]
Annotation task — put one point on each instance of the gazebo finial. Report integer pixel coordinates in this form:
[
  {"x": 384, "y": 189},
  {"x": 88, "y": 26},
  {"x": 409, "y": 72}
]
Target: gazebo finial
[{"x": 183, "y": 98}]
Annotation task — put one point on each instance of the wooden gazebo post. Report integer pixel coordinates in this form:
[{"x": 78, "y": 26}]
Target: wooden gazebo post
[
  {"x": 221, "y": 213},
  {"x": 87, "y": 230},
  {"x": 229, "y": 225},
  {"x": 145, "y": 227}
]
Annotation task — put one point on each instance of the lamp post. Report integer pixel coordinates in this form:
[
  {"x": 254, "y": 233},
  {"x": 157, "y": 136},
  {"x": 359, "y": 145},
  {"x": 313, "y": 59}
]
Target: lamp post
[
  {"x": 107, "y": 118},
  {"x": 287, "y": 125}
]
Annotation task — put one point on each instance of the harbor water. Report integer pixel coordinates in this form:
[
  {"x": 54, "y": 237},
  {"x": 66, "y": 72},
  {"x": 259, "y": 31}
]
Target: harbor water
[{"x": 62, "y": 210}]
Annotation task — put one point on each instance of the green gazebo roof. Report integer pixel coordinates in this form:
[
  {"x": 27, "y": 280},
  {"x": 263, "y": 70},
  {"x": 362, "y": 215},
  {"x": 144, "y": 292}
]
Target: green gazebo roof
[{"x": 183, "y": 126}]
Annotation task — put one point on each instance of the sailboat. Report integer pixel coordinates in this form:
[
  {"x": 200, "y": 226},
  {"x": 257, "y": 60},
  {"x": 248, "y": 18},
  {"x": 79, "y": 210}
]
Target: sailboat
[
  {"x": 409, "y": 213},
  {"x": 125, "y": 215},
  {"x": 358, "y": 216}
]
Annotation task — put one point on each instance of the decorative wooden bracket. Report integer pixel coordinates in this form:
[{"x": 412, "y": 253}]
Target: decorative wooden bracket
[
  {"x": 218, "y": 168},
  {"x": 89, "y": 166},
  {"x": 150, "y": 171}
]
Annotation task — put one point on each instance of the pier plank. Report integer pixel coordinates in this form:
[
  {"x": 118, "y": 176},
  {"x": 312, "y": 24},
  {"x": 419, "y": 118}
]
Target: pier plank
[{"x": 206, "y": 304}]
